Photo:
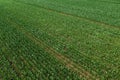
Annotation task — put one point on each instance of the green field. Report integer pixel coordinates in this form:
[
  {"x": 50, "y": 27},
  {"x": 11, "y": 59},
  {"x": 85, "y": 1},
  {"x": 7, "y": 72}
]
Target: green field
[{"x": 59, "y": 39}]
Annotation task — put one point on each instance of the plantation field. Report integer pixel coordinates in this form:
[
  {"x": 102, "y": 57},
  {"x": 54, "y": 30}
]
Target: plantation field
[{"x": 59, "y": 40}]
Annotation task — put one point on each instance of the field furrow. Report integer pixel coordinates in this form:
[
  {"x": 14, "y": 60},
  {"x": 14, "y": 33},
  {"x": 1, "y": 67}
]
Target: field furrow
[{"x": 59, "y": 39}]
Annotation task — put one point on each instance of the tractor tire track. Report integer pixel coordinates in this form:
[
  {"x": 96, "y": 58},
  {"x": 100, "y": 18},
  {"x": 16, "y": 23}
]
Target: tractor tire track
[
  {"x": 72, "y": 15},
  {"x": 67, "y": 62}
]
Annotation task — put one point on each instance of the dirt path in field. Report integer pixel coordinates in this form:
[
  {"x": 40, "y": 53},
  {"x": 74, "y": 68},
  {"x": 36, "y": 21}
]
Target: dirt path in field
[
  {"x": 66, "y": 61},
  {"x": 73, "y": 15}
]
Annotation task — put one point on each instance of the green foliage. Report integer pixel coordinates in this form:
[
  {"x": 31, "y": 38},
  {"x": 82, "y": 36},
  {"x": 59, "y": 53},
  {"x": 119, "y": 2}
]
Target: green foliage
[{"x": 86, "y": 32}]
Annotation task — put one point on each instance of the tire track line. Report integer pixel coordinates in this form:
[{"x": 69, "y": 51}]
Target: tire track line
[
  {"x": 83, "y": 53},
  {"x": 67, "y": 62},
  {"x": 94, "y": 58},
  {"x": 72, "y": 15}
]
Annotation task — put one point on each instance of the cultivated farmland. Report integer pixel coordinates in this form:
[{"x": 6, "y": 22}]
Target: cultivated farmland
[{"x": 59, "y": 39}]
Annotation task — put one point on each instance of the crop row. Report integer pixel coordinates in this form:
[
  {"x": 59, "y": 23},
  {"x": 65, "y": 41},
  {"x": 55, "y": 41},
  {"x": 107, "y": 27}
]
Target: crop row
[
  {"x": 89, "y": 45},
  {"x": 22, "y": 59},
  {"x": 106, "y": 12},
  {"x": 94, "y": 47}
]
